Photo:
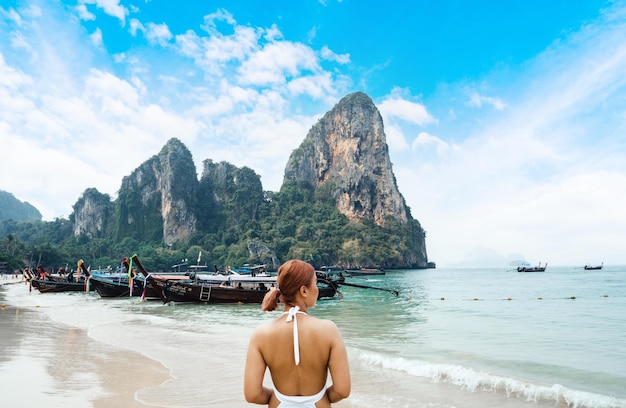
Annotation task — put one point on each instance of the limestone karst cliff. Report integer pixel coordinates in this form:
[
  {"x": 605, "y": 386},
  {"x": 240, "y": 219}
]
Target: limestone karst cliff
[
  {"x": 230, "y": 196},
  {"x": 158, "y": 200},
  {"x": 92, "y": 213},
  {"x": 347, "y": 148},
  {"x": 339, "y": 202},
  {"x": 346, "y": 153}
]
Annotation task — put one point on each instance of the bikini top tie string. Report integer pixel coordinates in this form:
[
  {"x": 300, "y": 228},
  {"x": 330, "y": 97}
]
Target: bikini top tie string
[{"x": 291, "y": 315}]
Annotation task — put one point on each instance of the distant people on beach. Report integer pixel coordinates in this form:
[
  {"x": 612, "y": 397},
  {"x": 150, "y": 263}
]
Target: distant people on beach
[{"x": 299, "y": 350}]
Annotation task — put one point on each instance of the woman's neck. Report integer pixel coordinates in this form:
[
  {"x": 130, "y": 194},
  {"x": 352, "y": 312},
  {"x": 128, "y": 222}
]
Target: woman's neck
[{"x": 301, "y": 307}]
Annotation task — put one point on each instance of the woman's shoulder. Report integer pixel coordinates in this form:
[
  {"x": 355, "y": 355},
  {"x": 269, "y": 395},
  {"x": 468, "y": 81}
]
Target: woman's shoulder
[
  {"x": 263, "y": 328},
  {"x": 325, "y": 324}
]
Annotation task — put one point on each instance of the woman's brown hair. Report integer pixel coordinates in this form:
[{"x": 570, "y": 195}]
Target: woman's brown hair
[{"x": 292, "y": 275}]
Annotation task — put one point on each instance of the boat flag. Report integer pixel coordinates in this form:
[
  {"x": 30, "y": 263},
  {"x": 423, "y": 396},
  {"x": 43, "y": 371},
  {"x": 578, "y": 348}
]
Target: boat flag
[{"x": 130, "y": 277}]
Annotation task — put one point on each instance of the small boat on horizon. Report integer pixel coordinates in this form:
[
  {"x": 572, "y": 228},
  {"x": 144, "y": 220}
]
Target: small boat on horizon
[
  {"x": 537, "y": 268},
  {"x": 594, "y": 267}
]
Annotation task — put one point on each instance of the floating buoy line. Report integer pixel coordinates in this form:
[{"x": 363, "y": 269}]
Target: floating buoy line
[{"x": 572, "y": 297}]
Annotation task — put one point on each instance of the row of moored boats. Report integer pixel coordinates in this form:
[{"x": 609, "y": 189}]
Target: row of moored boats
[{"x": 198, "y": 285}]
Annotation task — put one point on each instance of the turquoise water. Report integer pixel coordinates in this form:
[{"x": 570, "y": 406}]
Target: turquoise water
[
  {"x": 565, "y": 326},
  {"x": 556, "y": 338}
]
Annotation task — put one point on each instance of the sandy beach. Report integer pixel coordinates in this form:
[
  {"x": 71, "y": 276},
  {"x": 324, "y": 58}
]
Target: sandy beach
[
  {"x": 63, "y": 367},
  {"x": 52, "y": 365},
  {"x": 45, "y": 362}
]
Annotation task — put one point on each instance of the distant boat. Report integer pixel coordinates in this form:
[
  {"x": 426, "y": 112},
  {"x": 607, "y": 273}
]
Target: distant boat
[
  {"x": 594, "y": 267},
  {"x": 365, "y": 271},
  {"x": 537, "y": 268}
]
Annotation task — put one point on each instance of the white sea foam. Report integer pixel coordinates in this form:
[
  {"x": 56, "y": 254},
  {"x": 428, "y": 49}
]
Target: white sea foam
[{"x": 476, "y": 381}]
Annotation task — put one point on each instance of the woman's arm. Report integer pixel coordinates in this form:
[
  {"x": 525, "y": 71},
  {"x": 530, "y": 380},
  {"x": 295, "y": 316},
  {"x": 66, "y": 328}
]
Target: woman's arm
[
  {"x": 338, "y": 367},
  {"x": 253, "y": 388}
]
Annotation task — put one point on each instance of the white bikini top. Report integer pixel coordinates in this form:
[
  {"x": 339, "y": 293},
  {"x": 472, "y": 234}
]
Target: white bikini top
[
  {"x": 287, "y": 401},
  {"x": 291, "y": 315}
]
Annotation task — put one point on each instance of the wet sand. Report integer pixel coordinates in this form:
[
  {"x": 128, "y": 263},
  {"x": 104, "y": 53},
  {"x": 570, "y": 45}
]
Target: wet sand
[{"x": 43, "y": 365}]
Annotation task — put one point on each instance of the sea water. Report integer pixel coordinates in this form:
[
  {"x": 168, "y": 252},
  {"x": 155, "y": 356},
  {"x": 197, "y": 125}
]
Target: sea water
[{"x": 486, "y": 337}]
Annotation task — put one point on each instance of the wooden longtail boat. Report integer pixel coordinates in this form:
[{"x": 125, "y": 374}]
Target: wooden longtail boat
[
  {"x": 50, "y": 283},
  {"x": 594, "y": 267},
  {"x": 365, "y": 271},
  {"x": 537, "y": 268},
  {"x": 117, "y": 285},
  {"x": 241, "y": 292},
  {"x": 48, "y": 286},
  {"x": 120, "y": 287},
  {"x": 239, "y": 289}
]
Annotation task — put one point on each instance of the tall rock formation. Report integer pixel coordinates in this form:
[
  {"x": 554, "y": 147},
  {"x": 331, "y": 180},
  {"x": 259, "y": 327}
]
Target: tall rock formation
[
  {"x": 92, "y": 213},
  {"x": 157, "y": 202},
  {"x": 346, "y": 154},
  {"x": 230, "y": 196},
  {"x": 348, "y": 149}
]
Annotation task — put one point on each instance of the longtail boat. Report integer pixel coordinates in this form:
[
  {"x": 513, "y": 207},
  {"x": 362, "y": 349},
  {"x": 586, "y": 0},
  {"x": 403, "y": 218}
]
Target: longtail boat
[
  {"x": 231, "y": 289},
  {"x": 537, "y": 268},
  {"x": 365, "y": 271},
  {"x": 594, "y": 267}
]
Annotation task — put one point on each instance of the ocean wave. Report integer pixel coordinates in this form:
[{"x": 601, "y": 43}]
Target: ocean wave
[{"x": 476, "y": 381}]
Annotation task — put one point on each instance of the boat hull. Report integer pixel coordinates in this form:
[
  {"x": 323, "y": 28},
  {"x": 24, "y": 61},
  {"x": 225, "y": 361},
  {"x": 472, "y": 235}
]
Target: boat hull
[
  {"x": 365, "y": 272},
  {"x": 252, "y": 292},
  {"x": 531, "y": 269},
  {"x": 48, "y": 286},
  {"x": 170, "y": 291},
  {"x": 120, "y": 288}
]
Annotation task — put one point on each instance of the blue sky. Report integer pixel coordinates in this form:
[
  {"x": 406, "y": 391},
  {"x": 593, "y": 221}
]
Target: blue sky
[{"x": 505, "y": 120}]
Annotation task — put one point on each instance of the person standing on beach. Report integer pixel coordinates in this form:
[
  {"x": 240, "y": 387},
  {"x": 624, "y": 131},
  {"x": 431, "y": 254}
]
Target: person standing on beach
[{"x": 299, "y": 350}]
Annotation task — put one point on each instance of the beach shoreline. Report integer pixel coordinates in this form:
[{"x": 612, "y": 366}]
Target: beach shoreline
[
  {"x": 58, "y": 365},
  {"x": 115, "y": 378},
  {"x": 145, "y": 360}
]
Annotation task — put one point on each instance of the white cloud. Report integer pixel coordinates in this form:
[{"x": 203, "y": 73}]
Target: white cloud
[
  {"x": 85, "y": 14},
  {"x": 316, "y": 86},
  {"x": 277, "y": 62},
  {"x": 478, "y": 101},
  {"x": 11, "y": 78},
  {"x": 396, "y": 107},
  {"x": 220, "y": 15},
  {"x": 135, "y": 26},
  {"x": 327, "y": 54},
  {"x": 111, "y": 7},
  {"x": 273, "y": 34},
  {"x": 395, "y": 138},
  {"x": 158, "y": 34},
  {"x": 428, "y": 143},
  {"x": 12, "y": 15},
  {"x": 213, "y": 52},
  {"x": 96, "y": 37}
]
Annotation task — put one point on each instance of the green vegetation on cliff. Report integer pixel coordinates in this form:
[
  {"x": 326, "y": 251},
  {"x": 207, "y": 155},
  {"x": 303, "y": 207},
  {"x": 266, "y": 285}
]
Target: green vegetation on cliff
[
  {"x": 13, "y": 209},
  {"x": 296, "y": 222}
]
